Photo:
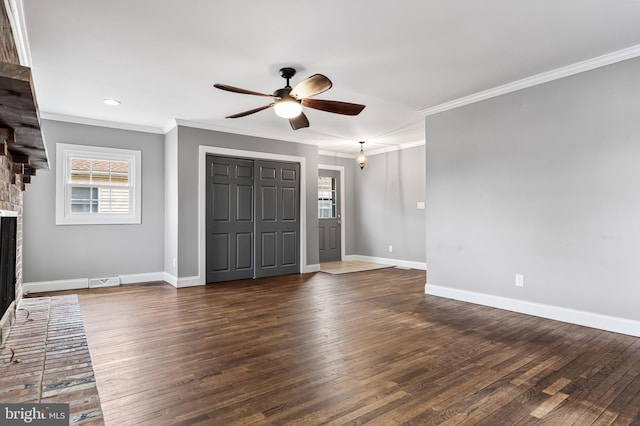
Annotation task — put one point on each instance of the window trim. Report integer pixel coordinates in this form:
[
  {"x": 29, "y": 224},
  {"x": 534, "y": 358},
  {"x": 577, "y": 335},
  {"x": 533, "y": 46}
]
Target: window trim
[{"x": 63, "y": 193}]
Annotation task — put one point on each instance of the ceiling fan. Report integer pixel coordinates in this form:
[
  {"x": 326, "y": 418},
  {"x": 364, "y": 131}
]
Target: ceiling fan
[{"x": 288, "y": 102}]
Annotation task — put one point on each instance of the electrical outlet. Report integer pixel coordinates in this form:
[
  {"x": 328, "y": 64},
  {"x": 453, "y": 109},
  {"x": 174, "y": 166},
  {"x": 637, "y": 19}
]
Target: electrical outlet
[
  {"x": 519, "y": 280},
  {"x": 390, "y": 249}
]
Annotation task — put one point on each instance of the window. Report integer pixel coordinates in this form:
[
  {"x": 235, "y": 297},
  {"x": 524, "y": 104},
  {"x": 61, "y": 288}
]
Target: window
[
  {"x": 326, "y": 197},
  {"x": 97, "y": 185}
]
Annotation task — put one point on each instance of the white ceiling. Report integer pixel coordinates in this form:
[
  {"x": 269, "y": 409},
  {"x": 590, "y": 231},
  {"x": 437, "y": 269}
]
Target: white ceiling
[{"x": 161, "y": 58}]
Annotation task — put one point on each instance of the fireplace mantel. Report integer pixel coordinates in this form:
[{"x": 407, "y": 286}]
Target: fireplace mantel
[{"x": 20, "y": 131}]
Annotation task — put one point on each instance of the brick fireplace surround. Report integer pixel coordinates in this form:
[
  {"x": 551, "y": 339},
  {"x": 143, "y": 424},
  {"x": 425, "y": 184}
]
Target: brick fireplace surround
[
  {"x": 22, "y": 148},
  {"x": 45, "y": 358},
  {"x": 11, "y": 200},
  {"x": 51, "y": 347}
]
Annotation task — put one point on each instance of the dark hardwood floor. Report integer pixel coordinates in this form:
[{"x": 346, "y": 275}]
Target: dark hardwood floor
[{"x": 347, "y": 349}]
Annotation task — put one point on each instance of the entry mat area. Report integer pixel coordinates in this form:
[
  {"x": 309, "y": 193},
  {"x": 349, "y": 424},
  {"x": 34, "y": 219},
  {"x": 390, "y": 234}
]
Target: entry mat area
[
  {"x": 46, "y": 359},
  {"x": 349, "y": 266}
]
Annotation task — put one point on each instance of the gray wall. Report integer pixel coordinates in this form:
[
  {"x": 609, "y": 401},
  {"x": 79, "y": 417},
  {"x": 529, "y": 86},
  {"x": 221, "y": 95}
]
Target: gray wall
[
  {"x": 93, "y": 251},
  {"x": 380, "y": 206},
  {"x": 386, "y": 194},
  {"x": 543, "y": 182},
  {"x": 189, "y": 140}
]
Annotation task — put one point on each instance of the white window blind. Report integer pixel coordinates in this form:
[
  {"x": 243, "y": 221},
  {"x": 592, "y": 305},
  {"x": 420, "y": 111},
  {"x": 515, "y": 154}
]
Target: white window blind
[{"x": 97, "y": 185}]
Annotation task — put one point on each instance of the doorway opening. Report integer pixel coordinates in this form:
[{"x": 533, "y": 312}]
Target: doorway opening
[
  {"x": 331, "y": 213},
  {"x": 329, "y": 217}
]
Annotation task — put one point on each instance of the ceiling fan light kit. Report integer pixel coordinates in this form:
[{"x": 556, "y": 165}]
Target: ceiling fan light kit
[
  {"x": 288, "y": 102},
  {"x": 287, "y": 109},
  {"x": 286, "y": 106}
]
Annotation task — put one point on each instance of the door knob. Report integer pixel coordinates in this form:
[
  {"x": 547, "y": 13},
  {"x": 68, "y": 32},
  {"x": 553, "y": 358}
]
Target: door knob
[{"x": 339, "y": 222}]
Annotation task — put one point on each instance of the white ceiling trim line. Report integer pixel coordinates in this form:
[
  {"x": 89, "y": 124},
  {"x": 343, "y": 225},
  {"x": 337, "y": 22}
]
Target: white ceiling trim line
[
  {"x": 15, "y": 11},
  {"x": 545, "y": 77},
  {"x": 218, "y": 128},
  {"x": 377, "y": 151},
  {"x": 394, "y": 148},
  {"x": 100, "y": 123},
  {"x": 337, "y": 154},
  {"x": 204, "y": 126}
]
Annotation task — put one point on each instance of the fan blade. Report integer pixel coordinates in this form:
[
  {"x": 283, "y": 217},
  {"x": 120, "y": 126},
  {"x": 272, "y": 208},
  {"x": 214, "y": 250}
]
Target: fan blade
[
  {"x": 238, "y": 90},
  {"x": 337, "y": 107},
  {"x": 313, "y": 85},
  {"x": 299, "y": 121},
  {"x": 251, "y": 111}
]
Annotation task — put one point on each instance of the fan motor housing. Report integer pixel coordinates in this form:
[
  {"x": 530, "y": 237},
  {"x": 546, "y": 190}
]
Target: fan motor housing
[
  {"x": 287, "y": 72},
  {"x": 283, "y": 94}
]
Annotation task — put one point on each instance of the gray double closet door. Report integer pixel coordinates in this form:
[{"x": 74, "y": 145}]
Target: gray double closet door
[{"x": 252, "y": 218}]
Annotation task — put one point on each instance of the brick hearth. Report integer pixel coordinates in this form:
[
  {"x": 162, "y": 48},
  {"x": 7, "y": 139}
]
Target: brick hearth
[{"x": 55, "y": 365}]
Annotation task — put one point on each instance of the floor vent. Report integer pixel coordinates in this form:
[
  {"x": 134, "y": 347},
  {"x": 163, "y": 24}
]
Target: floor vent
[{"x": 104, "y": 282}]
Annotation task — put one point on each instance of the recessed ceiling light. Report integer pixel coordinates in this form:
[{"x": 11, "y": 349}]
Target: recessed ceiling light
[{"x": 112, "y": 102}]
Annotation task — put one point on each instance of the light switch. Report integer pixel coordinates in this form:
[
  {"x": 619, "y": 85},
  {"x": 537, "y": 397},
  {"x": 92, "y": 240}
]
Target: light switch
[{"x": 421, "y": 205}]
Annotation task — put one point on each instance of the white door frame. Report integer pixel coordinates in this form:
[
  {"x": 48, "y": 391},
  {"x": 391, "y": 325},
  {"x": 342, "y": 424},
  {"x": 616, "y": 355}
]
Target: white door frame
[{"x": 238, "y": 153}]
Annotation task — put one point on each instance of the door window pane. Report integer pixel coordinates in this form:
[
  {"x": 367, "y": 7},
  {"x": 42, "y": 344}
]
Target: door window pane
[{"x": 326, "y": 197}]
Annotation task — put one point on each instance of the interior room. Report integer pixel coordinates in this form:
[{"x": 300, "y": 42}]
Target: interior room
[{"x": 444, "y": 232}]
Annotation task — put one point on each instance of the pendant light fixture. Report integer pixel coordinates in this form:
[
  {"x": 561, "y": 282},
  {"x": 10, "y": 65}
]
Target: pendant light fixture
[{"x": 362, "y": 157}]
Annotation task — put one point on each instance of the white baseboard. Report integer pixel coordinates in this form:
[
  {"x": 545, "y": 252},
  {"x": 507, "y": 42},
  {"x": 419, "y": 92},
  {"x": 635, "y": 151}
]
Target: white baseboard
[
  {"x": 311, "y": 268},
  {"x": 142, "y": 278},
  {"x": 58, "y": 285},
  {"x": 572, "y": 316},
  {"x": 189, "y": 282},
  {"x": 80, "y": 283},
  {"x": 386, "y": 261},
  {"x": 171, "y": 279},
  {"x": 181, "y": 282}
]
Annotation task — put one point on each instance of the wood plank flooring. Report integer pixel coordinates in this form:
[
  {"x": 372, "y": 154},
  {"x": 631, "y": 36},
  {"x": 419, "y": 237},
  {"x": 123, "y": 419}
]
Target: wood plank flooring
[
  {"x": 347, "y": 267},
  {"x": 347, "y": 349}
]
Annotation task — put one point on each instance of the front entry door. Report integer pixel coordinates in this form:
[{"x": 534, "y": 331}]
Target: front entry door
[
  {"x": 229, "y": 215},
  {"x": 329, "y": 219}
]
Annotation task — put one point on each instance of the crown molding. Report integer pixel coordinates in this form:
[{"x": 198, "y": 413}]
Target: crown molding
[
  {"x": 172, "y": 124},
  {"x": 100, "y": 123},
  {"x": 394, "y": 148},
  {"x": 199, "y": 125},
  {"x": 337, "y": 154},
  {"x": 224, "y": 129},
  {"x": 15, "y": 12},
  {"x": 545, "y": 77},
  {"x": 372, "y": 152}
]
